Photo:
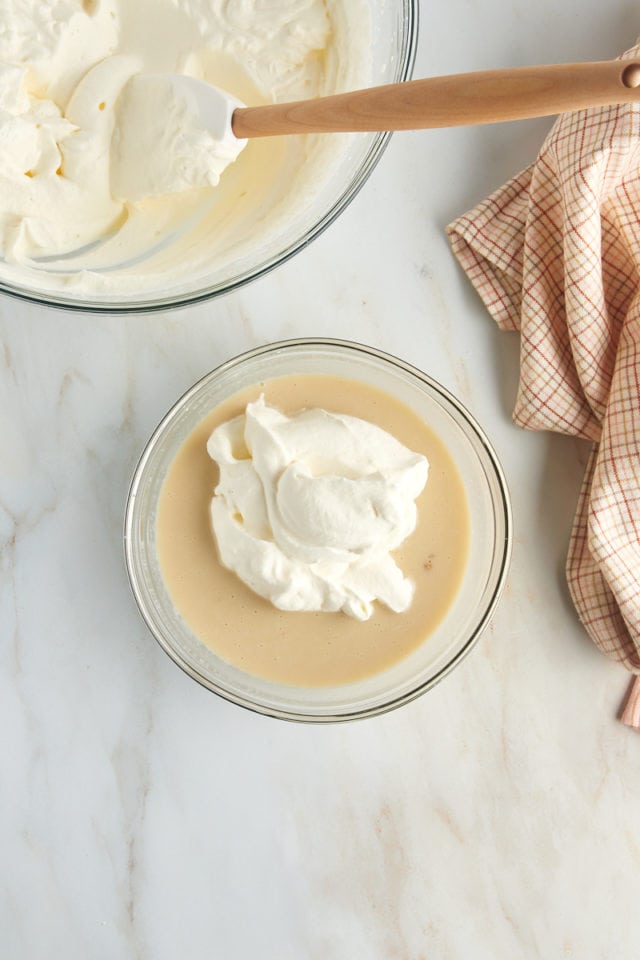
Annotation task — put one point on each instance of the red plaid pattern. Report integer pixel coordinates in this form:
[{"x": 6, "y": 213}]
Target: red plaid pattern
[{"x": 555, "y": 254}]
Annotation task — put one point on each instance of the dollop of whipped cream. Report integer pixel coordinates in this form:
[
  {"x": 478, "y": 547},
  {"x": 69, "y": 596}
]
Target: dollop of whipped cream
[{"x": 308, "y": 508}]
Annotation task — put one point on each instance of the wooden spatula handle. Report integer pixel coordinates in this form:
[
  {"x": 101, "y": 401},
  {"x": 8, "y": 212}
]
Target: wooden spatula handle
[{"x": 461, "y": 99}]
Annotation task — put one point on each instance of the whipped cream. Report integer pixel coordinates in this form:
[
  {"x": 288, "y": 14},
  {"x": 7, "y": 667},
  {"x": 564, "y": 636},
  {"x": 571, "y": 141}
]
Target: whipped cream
[
  {"x": 172, "y": 133},
  {"x": 67, "y": 222},
  {"x": 309, "y": 508}
]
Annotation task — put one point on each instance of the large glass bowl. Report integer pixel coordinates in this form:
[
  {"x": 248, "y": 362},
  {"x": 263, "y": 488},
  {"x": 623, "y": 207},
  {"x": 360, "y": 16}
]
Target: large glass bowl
[
  {"x": 394, "y": 25},
  {"x": 490, "y": 539}
]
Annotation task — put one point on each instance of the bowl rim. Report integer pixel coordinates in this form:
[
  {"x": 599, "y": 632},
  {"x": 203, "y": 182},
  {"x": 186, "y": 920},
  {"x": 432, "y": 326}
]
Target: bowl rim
[
  {"x": 406, "y": 59},
  {"x": 502, "y": 506}
]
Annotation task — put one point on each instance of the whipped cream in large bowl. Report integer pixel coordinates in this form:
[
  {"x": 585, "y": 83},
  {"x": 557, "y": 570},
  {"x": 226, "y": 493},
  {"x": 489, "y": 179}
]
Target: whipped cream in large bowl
[
  {"x": 318, "y": 531},
  {"x": 77, "y": 229}
]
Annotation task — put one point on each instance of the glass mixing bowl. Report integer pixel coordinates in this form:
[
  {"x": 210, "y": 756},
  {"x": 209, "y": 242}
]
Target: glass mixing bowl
[
  {"x": 394, "y": 25},
  {"x": 483, "y": 579}
]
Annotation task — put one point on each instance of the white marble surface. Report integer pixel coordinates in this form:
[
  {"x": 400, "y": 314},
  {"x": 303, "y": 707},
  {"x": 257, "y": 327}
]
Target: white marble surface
[{"x": 142, "y": 817}]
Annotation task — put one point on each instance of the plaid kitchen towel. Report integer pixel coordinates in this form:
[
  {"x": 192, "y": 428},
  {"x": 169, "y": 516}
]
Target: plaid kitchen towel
[{"x": 555, "y": 254}]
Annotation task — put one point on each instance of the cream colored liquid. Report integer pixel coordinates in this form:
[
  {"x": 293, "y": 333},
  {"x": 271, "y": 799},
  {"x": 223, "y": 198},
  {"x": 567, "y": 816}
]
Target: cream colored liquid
[{"x": 310, "y": 649}]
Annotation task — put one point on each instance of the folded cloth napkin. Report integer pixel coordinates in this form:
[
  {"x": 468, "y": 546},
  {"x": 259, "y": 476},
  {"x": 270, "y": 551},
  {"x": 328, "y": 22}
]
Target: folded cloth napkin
[{"x": 555, "y": 254}]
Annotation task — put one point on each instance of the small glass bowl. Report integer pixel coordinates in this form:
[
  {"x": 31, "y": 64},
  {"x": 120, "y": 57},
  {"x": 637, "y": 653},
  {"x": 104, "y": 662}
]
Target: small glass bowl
[
  {"x": 490, "y": 539},
  {"x": 394, "y": 34}
]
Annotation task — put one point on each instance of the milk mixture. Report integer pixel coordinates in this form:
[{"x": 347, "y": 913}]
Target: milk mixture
[
  {"x": 304, "y": 647},
  {"x": 63, "y": 67}
]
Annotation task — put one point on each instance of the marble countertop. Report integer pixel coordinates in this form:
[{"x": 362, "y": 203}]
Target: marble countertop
[{"x": 143, "y": 817}]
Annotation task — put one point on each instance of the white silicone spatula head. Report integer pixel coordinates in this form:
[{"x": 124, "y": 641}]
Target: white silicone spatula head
[{"x": 172, "y": 133}]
